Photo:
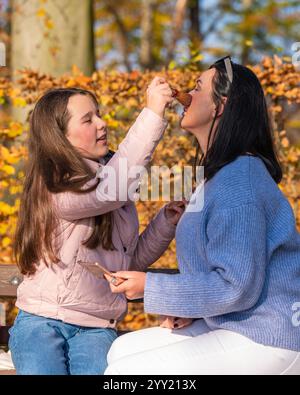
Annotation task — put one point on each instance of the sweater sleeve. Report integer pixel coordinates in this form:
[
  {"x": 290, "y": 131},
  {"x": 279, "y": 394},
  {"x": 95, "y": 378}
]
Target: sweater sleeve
[
  {"x": 135, "y": 151},
  {"x": 153, "y": 242},
  {"x": 236, "y": 264}
]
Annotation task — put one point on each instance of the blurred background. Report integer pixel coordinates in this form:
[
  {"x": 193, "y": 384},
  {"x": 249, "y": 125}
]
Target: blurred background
[
  {"x": 114, "y": 48},
  {"x": 52, "y": 35}
]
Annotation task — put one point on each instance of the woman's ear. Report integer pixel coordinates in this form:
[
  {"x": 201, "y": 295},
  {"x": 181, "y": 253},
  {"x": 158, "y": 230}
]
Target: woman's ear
[{"x": 220, "y": 108}]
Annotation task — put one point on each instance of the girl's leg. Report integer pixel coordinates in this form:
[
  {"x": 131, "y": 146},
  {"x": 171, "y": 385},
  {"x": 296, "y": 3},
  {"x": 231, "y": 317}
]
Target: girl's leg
[
  {"x": 218, "y": 352},
  {"x": 147, "y": 339},
  {"x": 37, "y": 348},
  {"x": 88, "y": 349}
]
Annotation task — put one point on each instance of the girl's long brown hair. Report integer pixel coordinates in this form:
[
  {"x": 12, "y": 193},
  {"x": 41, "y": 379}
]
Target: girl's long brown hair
[{"x": 53, "y": 166}]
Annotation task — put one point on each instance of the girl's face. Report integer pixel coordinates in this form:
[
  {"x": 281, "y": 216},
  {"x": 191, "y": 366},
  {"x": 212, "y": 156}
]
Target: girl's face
[
  {"x": 201, "y": 112},
  {"x": 86, "y": 130}
]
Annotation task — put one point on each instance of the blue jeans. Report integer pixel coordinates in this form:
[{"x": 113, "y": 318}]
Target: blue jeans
[{"x": 44, "y": 346}]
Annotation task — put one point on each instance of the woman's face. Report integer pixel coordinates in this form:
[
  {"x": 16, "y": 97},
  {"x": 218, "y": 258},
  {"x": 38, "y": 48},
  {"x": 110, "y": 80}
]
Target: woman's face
[
  {"x": 201, "y": 112},
  {"x": 86, "y": 130}
]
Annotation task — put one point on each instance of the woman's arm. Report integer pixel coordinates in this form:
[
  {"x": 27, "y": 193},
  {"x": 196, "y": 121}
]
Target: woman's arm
[
  {"x": 236, "y": 265},
  {"x": 236, "y": 260}
]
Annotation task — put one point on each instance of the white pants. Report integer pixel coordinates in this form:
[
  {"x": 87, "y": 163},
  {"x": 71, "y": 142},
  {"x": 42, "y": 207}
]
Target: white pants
[{"x": 197, "y": 350}]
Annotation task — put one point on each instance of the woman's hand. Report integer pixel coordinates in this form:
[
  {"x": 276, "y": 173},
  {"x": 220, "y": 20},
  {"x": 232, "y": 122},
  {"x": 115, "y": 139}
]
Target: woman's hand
[
  {"x": 174, "y": 211},
  {"x": 174, "y": 322},
  {"x": 159, "y": 95},
  {"x": 133, "y": 286}
]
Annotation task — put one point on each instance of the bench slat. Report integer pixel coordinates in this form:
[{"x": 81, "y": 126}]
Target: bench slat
[{"x": 10, "y": 278}]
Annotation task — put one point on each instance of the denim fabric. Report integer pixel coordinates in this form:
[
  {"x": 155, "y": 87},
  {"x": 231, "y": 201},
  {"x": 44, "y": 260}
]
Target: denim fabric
[{"x": 44, "y": 346}]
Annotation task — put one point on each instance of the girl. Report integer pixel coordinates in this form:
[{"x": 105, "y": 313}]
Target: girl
[
  {"x": 239, "y": 257},
  {"x": 67, "y": 318}
]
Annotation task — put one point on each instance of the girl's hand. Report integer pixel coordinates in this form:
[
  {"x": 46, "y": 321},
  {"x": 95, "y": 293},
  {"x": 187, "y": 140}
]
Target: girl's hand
[
  {"x": 174, "y": 322},
  {"x": 174, "y": 211},
  {"x": 133, "y": 286},
  {"x": 159, "y": 95}
]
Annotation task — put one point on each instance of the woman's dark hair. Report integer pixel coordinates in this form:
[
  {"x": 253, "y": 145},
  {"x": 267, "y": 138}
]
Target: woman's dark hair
[{"x": 244, "y": 126}]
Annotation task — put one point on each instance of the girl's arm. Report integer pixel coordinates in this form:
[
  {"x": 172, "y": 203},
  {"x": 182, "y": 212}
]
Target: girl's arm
[
  {"x": 135, "y": 150},
  {"x": 153, "y": 242}
]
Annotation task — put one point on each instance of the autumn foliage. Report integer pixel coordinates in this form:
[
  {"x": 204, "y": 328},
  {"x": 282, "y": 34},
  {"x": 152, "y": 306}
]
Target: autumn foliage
[{"x": 121, "y": 97}]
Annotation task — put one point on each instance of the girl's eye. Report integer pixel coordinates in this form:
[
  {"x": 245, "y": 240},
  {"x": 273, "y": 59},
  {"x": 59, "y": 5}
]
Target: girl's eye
[{"x": 88, "y": 121}]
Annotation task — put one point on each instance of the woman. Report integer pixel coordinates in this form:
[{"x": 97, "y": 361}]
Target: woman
[
  {"x": 67, "y": 318},
  {"x": 239, "y": 257}
]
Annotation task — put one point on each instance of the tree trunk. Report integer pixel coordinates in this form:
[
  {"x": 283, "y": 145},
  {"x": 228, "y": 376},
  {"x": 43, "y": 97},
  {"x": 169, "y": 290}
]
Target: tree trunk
[
  {"x": 53, "y": 36},
  {"x": 5, "y": 40},
  {"x": 146, "y": 58},
  {"x": 195, "y": 34},
  {"x": 245, "y": 49},
  {"x": 123, "y": 33},
  {"x": 178, "y": 21}
]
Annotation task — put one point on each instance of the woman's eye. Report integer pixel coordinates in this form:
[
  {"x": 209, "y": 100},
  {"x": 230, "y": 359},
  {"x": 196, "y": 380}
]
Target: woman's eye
[{"x": 88, "y": 121}]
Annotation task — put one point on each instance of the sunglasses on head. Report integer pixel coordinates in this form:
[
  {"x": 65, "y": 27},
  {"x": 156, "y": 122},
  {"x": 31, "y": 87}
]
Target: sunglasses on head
[{"x": 228, "y": 66}]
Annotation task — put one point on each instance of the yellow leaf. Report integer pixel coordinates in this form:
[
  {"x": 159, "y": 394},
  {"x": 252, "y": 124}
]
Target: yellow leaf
[
  {"x": 15, "y": 189},
  {"x": 4, "y": 184},
  {"x": 75, "y": 70},
  {"x": 4, "y": 153},
  {"x": 6, "y": 209},
  {"x": 12, "y": 160},
  {"x": 114, "y": 86},
  {"x": 3, "y": 228},
  {"x": 19, "y": 102},
  {"x": 105, "y": 100},
  {"x": 8, "y": 169},
  {"x": 6, "y": 241},
  {"x": 113, "y": 124},
  {"x": 285, "y": 142},
  {"x": 49, "y": 24},
  {"x": 198, "y": 58},
  {"x": 15, "y": 130},
  {"x": 41, "y": 13}
]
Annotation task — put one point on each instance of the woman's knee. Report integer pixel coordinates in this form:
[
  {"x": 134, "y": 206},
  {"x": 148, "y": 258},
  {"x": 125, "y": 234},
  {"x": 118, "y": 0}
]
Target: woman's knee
[
  {"x": 119, "y": 348},
  {"x": 130, "y": 343}
]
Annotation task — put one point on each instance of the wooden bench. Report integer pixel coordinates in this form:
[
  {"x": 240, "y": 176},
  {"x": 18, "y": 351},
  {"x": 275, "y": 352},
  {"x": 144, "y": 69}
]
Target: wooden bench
[{"x": 10, "y": 278}]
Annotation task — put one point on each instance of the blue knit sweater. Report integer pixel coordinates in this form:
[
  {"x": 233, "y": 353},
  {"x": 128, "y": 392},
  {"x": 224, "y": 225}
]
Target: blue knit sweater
[{"x": 239, "y": 260}]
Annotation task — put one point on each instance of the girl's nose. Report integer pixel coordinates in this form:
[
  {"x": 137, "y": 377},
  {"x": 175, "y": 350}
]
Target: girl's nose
[{"x": 101, "y": 124}]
